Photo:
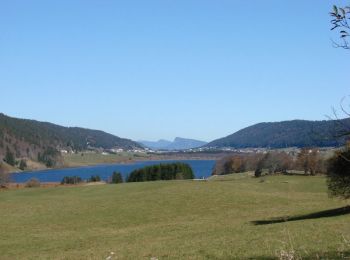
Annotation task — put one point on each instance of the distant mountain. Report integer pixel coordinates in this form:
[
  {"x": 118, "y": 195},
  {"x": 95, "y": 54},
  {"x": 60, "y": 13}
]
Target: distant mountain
[
  {"x": 178, "y": 144},
  {"x": 157, "y": 145},
  {"x": 295, "y": 133},
  {"x": 42, "y": 141}
]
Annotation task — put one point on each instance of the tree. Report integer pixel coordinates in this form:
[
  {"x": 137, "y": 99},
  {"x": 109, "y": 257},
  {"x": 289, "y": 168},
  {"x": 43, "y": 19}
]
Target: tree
[
  {"x": 94, "y": 178},
  {"x": 49, "y": 157},
  {"x": 4, "y": 177},
  {"x": 23, "y": 164},
  {"x": 9, "y": 157},
  {"x": 71, "y": 180},
  {"x": 117, "y": 178},
  {"x": 309, "y": 161},
  {"x": 258, "y": 172},
  {"x": 340, "y": 16},
  {"x": 274, "y": 162},
  {"x": 234, "y": 164},
  {"x": 171, "y": 171},
  {"x": 338, "y": 174}
]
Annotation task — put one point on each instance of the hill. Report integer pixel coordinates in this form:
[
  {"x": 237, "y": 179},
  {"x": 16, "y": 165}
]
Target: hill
[
  {"x": 178, "y": 144},
  {"x": 156, "y": 145},
  {"x": 295, "y": 133},
  {"x": 41, "y": 141}
]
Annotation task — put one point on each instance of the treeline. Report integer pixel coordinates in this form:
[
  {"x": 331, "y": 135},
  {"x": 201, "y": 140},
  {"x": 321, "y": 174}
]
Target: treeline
[
  {"x": 115, "y": 178},
  {"x": 11, "y": 160},
  {"x": 171, "y": 171},
  {"x": 49, "y": 157},
  {"x": 308, "y": 160}
]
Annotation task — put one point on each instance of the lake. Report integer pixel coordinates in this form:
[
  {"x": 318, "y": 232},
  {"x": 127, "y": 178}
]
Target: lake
[{"x": 201, "y": 169}]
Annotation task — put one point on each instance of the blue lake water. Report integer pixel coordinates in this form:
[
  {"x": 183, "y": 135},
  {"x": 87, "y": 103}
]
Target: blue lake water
[{"x": 201, "y": 169}]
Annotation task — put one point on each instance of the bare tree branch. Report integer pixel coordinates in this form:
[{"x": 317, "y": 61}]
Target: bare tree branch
[{"x": 340, "y": 23}]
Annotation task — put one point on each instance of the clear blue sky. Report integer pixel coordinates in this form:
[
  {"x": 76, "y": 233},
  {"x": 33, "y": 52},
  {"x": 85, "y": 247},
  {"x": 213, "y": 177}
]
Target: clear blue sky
[{"x": 159, "y": 69}]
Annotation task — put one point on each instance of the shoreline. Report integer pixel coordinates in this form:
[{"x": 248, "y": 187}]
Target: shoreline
[{"x": 111, "y": 163}]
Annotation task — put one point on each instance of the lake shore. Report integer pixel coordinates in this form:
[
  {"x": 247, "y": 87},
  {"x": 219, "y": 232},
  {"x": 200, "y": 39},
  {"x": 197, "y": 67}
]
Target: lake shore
[
  {"x": 201, "y": 168},
  {"x": 71, "y": 161}
]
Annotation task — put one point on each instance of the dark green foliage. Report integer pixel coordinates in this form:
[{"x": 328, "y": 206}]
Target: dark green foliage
[
  {"x": 298, "y": 133},
  {"x": 258, "y": 172},
  {"x": 23, "y": 164},
  {"x": 48, "y": 157},
  {"x": 171, "y": 171},
  {"x": 71, "y": 180},
  {"x": 9, "y": 157},
  {"x": 117, "y": 177},
  {"x": 42, "y": 141},
  {"x": 42, "y": 133},
  {"x": 94, "y": 178},
  {"x": 338, "y": 174}
]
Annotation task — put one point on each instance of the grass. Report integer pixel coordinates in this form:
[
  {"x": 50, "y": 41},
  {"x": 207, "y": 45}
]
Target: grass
[
  {"x": 74, "y": 160},
  {"x": 174, "y": 220}
]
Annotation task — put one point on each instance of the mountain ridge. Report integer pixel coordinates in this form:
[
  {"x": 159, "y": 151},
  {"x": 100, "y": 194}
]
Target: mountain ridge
[
  {"x": 290, "y": 133},
  {"x": 41, "y": 141},
  {"x": 178, "y": 143}
]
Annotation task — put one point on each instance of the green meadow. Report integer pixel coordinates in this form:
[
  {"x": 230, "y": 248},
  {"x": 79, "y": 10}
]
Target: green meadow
[
  {"x": 275, "y": 217},
  {"x": 82, "y": 159}
]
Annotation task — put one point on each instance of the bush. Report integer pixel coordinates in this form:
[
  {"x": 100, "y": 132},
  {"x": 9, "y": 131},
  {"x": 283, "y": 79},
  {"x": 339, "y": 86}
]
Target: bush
[
  {"x": 117, "y": 177},
  {"x": 258, "y": 173},
  {"x": 32, "y": 183},
  {"x": 338, "y": 174},
  {"x": 71, "y": 180},
  {"x": 94, "y": 178}
]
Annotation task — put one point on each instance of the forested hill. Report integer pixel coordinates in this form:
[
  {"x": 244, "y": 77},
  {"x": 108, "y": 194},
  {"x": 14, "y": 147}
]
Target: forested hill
[
  {"x": 30, "y": 138},
  {"x": 295, "y": 133}
]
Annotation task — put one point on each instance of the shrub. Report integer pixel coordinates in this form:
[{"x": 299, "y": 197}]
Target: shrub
[
  {"x": 117, "y": 177},
  {"x": 338, "y": 174},
  {"x": 94, "y": 178},
  {"x": 32, "y": 183},
  {"x": 71, "y": 180},
  {"x": 258, "y": 173}
]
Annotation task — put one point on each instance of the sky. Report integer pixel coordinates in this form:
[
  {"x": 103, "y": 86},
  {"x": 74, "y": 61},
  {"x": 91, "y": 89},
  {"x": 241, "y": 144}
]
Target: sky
[{"x": 147, "y": 70}]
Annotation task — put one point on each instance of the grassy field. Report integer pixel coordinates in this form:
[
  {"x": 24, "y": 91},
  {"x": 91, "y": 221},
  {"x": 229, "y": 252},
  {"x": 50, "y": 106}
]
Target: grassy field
[
  {"x": 74, "y": 160},
  {"x": 176, "y": 220}
]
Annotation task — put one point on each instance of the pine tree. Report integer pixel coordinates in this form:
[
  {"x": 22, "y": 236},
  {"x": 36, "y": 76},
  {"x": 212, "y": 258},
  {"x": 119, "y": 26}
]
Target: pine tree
[{"x": 117, "y": 177}]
